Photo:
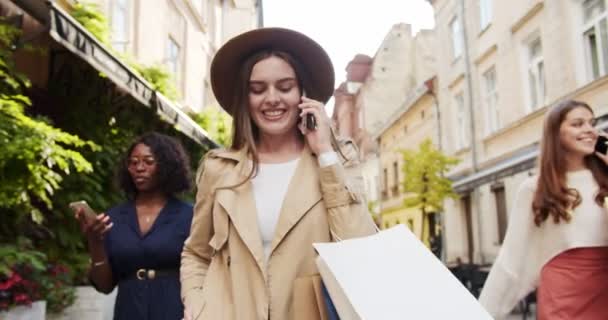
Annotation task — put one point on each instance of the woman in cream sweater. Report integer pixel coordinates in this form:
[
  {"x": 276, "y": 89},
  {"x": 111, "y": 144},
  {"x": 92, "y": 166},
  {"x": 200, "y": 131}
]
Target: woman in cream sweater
[{"x": 557, "y": 239}]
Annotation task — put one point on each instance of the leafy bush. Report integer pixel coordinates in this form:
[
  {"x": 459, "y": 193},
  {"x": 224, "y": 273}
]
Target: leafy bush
[
  {"x": 26, "y": 276},
  {"x": 35, "y": 161}
]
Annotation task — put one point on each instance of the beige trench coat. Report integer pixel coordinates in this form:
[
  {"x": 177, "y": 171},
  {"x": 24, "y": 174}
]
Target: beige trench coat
[{"x": 223, "y": 270}]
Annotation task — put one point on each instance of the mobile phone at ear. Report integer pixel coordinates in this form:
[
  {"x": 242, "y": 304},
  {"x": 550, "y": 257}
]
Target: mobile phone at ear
[
  {"x": 309, "y": 120},
  {"x": 601, "y": 145},
  {"x": 89, "y": 214}
]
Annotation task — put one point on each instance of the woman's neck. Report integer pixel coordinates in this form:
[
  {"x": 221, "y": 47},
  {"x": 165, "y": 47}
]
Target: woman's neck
[
  {"x": 277, "y": 149},
  {"x": 151, "y": 198},
  {"x": 575, "y": 163}
]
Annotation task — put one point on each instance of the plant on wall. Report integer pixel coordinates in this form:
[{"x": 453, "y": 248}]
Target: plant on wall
[
  {"x": 216, "y": 122},
  {"x": 92, "y": 18}
]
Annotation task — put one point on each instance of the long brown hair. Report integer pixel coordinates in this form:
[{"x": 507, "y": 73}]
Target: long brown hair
[
  {"x": 553, "y": 197},
  {"x": 245, "y": 133}
]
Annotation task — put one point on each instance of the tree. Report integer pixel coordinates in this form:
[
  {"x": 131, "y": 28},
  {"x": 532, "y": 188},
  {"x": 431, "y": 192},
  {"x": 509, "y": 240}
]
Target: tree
[{"x": 424, "y": 182}]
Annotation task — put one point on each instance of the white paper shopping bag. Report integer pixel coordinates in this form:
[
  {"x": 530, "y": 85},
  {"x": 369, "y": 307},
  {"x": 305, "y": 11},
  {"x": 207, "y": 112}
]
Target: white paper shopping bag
[{"x": 392, "y": 275}]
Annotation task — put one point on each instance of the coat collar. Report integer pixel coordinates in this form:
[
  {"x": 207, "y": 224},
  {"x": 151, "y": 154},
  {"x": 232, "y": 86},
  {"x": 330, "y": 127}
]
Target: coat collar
[{"x": 239, "y": 202}]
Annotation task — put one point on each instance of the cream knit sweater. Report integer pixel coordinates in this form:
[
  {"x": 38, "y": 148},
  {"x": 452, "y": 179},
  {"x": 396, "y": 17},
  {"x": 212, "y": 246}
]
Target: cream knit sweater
[{"x": 527, "y": 248}]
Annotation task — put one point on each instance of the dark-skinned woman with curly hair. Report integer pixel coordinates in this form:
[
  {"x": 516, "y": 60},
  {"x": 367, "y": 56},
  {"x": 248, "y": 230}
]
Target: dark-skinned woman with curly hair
[{"x": 137, "y": 245}]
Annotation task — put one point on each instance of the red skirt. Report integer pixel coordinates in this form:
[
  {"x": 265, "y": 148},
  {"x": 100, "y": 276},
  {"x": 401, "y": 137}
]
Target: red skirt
[{"x": 574, "y": 285}]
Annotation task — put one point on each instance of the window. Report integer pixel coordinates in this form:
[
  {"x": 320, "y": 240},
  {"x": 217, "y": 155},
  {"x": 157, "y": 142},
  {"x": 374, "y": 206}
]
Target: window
[
  {"x": 395, "y": 178},
  {"x": 461, "y": 122},
  {"x": 595, "y": 37},
  {"x": 457, "y": 38},
  {"x": 385, "y": 184},
  {"x": 173, "y": 57},
  {"x": 536, "y": 74},
  {"x": 501, "y": 211},
  {"x": 120, "y": 24},
  {"x": 485, "y": 13},
  {"x": 491, "y": 100}
]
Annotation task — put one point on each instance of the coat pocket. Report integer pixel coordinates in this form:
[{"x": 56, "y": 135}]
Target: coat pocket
[{"x": 308, "y": 302}]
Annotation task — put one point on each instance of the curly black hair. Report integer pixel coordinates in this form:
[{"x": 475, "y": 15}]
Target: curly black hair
[{"x": 173, "y": 165}]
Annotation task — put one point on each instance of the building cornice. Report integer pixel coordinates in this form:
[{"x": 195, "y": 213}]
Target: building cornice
[
  {"x": 527, "y": 16},
  {"x": 486, "y": 54}
]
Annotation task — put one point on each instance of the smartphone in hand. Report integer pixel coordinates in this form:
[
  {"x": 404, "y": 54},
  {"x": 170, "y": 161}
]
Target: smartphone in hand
[
  {"x": 89, "y": 214},
  {"x": 601, "y": 145},
  {"x": 309, "y": 119}
]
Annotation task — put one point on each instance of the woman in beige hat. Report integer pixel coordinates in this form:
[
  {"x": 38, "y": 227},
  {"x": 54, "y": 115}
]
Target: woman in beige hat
[{"x": 280, "y": 187}]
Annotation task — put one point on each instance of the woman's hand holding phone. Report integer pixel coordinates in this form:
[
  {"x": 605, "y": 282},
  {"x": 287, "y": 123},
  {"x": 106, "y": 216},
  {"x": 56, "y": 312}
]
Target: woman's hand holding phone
[
  {"x": 93, "y": 225},
  {"x": 318, "y": 134}
]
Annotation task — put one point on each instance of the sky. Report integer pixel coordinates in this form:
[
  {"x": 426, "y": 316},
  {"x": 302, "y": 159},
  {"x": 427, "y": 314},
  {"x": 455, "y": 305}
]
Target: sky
[{"x": 347, "y": 27}]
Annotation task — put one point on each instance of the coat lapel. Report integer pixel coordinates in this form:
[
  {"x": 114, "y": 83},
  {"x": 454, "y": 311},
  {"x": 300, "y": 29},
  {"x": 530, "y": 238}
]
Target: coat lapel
[
  {"x": 303, "y": 193},
  {"x": 239, "y": 204}
]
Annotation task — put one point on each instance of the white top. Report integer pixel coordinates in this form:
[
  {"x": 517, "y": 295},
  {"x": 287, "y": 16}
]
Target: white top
[
  {"x": 269, "y": 188},
  {"x": 528, "y": 248}
]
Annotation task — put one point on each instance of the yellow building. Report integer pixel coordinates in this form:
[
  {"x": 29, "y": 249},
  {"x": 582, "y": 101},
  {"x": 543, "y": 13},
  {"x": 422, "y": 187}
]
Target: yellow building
[
  {"x": 377, "y": 93},
  {"x": 413, "y": 122}
]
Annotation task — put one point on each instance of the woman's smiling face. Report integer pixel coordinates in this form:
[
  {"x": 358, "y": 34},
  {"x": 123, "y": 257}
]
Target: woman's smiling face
[{"x": 274, "y": 96}]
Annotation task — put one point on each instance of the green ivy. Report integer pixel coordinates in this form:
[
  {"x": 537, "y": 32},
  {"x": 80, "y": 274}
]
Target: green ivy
[
  {"x": 92, "y": 18},
  {"x": 159, "y": 78},
  {"x": 216, "y": 122}
]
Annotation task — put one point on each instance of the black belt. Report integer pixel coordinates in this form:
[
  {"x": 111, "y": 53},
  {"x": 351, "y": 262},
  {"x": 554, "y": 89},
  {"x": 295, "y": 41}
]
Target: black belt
[{"x": 151, "y": 274}]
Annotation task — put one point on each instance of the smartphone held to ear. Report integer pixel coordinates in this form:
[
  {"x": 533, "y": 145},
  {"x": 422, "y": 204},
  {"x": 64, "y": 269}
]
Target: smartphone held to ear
[
  {"x": 88, "y": 213},
  {"x": 601, "y": 145},
  {"x": 309, "y": 119},
  {"x": 310, "y": 122}
]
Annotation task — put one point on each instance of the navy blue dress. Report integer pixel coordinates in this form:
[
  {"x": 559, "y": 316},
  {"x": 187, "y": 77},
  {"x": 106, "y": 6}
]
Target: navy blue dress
[{"x": 159, "y": 249}]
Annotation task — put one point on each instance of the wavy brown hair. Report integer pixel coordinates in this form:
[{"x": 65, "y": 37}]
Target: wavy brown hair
[{"x": 553, "y": 198}]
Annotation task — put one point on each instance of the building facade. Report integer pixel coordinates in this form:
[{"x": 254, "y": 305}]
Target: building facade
[
  {"x": 501, "y": 64},
  {"x": 181, "y": 35},
  {"x": 412, "y": 123},
  {"x": 383, "y": 97}
]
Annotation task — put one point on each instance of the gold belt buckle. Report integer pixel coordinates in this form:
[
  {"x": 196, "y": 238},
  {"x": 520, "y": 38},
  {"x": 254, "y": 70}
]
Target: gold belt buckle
[{"x": 141, "y": 274}]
